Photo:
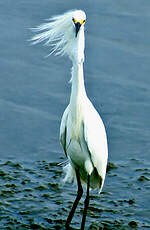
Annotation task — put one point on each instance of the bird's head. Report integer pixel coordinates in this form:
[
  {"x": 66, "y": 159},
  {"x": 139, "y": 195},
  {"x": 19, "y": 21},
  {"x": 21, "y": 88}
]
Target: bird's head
[
  {"x": 78, "y": 19},
  {"x": 63, "y": 33}
]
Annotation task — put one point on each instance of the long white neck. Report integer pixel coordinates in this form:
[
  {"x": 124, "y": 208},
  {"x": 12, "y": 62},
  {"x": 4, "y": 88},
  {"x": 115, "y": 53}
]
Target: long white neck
[
  {"x": 78, "y": 93},
  {"x": 78, "y": 89}
]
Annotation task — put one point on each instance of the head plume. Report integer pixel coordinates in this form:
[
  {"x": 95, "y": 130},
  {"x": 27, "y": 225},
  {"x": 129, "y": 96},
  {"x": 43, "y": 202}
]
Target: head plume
[{"x": 59, "y": 32}]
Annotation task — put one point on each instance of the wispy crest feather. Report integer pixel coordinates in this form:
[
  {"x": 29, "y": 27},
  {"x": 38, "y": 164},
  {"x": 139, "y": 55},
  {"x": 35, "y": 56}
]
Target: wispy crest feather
[{"x": 56, "y": 33}]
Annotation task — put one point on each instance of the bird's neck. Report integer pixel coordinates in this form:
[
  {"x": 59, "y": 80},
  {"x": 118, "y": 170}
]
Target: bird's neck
[{"x": 78, "y": 93}]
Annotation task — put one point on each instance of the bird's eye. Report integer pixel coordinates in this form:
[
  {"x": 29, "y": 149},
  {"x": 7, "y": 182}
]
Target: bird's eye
[
  {"x": 82, "y": 22},
  {"x": 74, "y": 20}
]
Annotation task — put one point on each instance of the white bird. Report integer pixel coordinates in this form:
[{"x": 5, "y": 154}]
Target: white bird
[{"x": 82, "y": 132}]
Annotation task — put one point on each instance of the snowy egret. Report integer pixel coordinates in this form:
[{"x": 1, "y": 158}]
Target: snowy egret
[{"x": 82, "y": 132}]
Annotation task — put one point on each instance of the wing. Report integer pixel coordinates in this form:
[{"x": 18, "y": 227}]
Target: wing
[
  {"x": 63, "y": 129},
  {"x": 96, "y": 140}
]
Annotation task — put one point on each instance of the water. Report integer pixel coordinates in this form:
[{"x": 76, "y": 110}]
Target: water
[{"x": 35, "y": 91}]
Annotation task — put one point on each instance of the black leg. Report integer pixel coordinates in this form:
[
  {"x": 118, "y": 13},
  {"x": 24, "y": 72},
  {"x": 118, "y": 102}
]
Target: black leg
[
  {"x": 86, "y": 204},
  {"x": 79, "y": 195}
]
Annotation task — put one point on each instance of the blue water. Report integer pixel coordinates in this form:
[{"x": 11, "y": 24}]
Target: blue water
[{"x": 34, "y": 90}]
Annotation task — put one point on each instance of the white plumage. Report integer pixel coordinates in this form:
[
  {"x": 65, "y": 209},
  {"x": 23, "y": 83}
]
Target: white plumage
[{"x": 82, "y": 133}]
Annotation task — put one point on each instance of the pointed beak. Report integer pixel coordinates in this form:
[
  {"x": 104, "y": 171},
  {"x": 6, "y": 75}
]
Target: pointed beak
[{"x": 77, "y": 27}]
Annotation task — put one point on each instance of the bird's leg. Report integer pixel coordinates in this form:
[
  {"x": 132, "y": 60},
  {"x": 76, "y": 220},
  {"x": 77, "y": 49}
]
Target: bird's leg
[
  {"x": 79, "y": 195},
  {"x": 86, "y": 204}
]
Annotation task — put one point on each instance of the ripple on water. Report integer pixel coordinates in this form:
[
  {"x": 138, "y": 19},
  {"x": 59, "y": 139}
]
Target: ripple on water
[{"x": 32, "y": 197}]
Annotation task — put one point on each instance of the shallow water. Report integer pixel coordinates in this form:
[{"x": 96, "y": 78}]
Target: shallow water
[
  {"x": 32, "y": 196},
  {"x": 35, "y": 91}
]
